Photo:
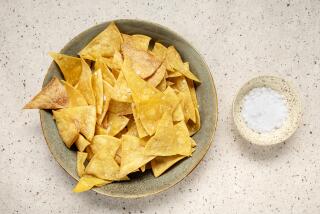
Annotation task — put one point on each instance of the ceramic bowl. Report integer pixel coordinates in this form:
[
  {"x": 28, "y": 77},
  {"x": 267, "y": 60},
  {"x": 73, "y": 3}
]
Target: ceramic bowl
[
  {"x": 144, "y": 184},
  {"x": 290, "y": 124}
]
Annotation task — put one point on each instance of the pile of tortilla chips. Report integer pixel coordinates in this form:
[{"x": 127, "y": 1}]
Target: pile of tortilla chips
[{"x": 125, "y": 107}]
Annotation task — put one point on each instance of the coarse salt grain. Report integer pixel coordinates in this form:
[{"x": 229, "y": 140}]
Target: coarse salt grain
[{"x": 264, "y": 110}]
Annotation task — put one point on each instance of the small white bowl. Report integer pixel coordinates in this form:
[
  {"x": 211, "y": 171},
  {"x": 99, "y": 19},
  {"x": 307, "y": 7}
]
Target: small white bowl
[{"x": 288, "y": 127}]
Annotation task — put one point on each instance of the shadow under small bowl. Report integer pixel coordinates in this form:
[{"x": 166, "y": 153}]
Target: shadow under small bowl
[
  {"x": 290, "y": 124},
  {"x": 143, "y": 184}
]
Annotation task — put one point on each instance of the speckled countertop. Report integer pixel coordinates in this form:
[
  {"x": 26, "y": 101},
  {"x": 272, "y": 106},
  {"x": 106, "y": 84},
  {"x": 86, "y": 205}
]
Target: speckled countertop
[{"x": 238, "y": 39}]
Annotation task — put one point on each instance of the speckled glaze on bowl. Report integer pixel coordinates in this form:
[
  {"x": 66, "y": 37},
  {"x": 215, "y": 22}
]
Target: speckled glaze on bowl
[
  {"x": 288, "y": 127},
  {"x": 144, "y": 184}
]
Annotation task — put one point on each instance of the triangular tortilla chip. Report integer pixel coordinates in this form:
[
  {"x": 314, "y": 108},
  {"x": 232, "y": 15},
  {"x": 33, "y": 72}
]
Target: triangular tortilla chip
[
  {"x": 104, "y": 44},
  {"x": 187, "y": 104},
  {"x": 82, "y": 143},
  {"x": 173, "y": 74},
  {"x": 161, "y": 164},
  {"x": 143, "y": 63},
  {"x": 120, "y": 92},
  {"x": 162, "y": 85},
  {"x": 97, "y": 86},
  {"x": 138, "y": 41},
  {"x": 141, "y": 131},
  {"x": 70, "y": 67},
  {"x": 75, "y": 120},
  {"x": 169, "y": 139},
  {"x": 52, "y": 96},
  {"x": 132, "y": 128},
  {"x": 106, "y": 102},
  {"x": 106, "y": 73},
  {"x": 132, "y": 154},
  {"x": 194, "y": 127},
  {"x": 158, "y": 76},
  {"x": 174, "y": 63},
  {"x": 120, "y": 108},
  {"x": 85, "y": 85},
  {"x": 81, "y": 158},
  {"x": 141, "y": 90},
  {"x": 101, "y": 141},
  {"x": 86, "y": 182},
  {"x": 103, "y": 165},
  {"x": 74, "y": 95},
  {"x": 114, "y": 123},
  {"x": 160, "y": 51}
]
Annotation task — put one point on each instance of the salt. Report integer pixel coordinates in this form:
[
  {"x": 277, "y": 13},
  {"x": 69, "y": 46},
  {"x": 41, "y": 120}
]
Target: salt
[{"x": 264, "y": 110}]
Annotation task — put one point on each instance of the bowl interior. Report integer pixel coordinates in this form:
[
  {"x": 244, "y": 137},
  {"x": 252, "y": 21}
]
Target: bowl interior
[
  {"x": 145, "y": 183},
  {"x": 288, "y": 127}
]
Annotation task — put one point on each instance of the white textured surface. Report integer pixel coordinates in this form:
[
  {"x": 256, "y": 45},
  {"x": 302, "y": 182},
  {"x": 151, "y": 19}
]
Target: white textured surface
[{"x": 238, "y": 39}]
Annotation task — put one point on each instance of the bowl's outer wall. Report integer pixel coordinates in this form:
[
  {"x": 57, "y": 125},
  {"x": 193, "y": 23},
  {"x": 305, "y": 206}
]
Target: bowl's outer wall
[{"x": 146, "y": 183}]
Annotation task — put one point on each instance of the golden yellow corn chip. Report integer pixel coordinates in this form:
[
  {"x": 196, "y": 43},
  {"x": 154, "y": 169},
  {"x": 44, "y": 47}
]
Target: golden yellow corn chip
[
  {"x": 114, "y": 123},
  {"x": 158, "y": 76},
  {"x": 74, "y": 96},
  {"x": 106, "y": 73},
  {"x": 52, "y": 96},
  {"x": 88, "y": 150},
  {"x": 162, "y": 85},
  {"x": 132, "y": 154},
  {"x": 106, "y": 102},
  {"x": 173, "y": 74},
  {"x": 161, "y": 164},
  {"x": 132, "y": 128},
  {"x": 81, "y": 158},
  {"x": 117, "y": 61},
  {"x": 101, "y": 141},
  {"x": 187, "y": 102},
  {"x": 138, "y": 42},
  {"x": 120, "y": 108},
  {"x": 86, "y": 182},
  {"x": 143, "y": 63},
  {"x": 70, "y": 67},
  {"x": 194, "y": 127},
  {"x": 174, "y": 63},
  {"x": 120, "y": 92},
  {"x": 75, "y": 120},
  {"x": 82, "y": 143},
  {"x": 141, "y": 131},
  {"x": 104, "y": 44},
  {"x": 84, "y": 85},
  {"x": 159, "y": 51},
  {"x": 169, "y": 139},
  {"x": 97, "y": 86}
]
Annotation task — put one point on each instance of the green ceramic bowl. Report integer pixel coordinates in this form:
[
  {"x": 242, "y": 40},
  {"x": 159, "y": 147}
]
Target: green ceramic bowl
[{"x": 144, "y": 184}]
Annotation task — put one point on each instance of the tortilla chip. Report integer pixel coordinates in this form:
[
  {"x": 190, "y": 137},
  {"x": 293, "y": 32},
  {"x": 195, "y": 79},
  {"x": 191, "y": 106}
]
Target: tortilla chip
[
  {"x": 70, "y": 67},
  {"x": 141, "y": 131},
  {"x": 106, "y": 73},
  {"x": 158, "y": 76},
  {"x": 138, "y": 42},
  {"x": 173, "y": 74},
  {"x": 160, "y": 51},
  {"x": 82, "y": 143},
  {"x": 140, "y": 89},
  {"x": 114, "y": 123},
  {"x": 117, "y": 61},
  {"x": 132, "y": 128},
  {"x": 86, "y": 182},
  {"x": 52, "y": 96},
  {"x": 169, "y": 139},
  {"x": 187, "y": 102},
  {"x": 74, "y": 96},
  {"x": 85, "y": 85},
  {"x": 120, "y": 92},
  {"x": 194, "y": 127},
  {"x": 174, "y": 63},
  {"x": 120, "y": 108},
  {"x": 106, "y": 102},
  {"x": 132, "y": 154},
  {"x": 75, "y": 120},
  {"x": 143, "y": 63},
  {"x": 97, "y": 86},
  {"x": 161, "y": 164},
  {"x": 104, "y": 44},
  {"x": 81, "y": 158},
  {"x": 101, "y": 141},
  {"x": 162, "y": 85},
  {"x": 102, "y": 165}
]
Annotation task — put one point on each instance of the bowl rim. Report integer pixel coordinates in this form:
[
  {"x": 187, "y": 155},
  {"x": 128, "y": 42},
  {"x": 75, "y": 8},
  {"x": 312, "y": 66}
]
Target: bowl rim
[
  {"x": 214, "y": 122},
  {"x": 299, "y": 112}
]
